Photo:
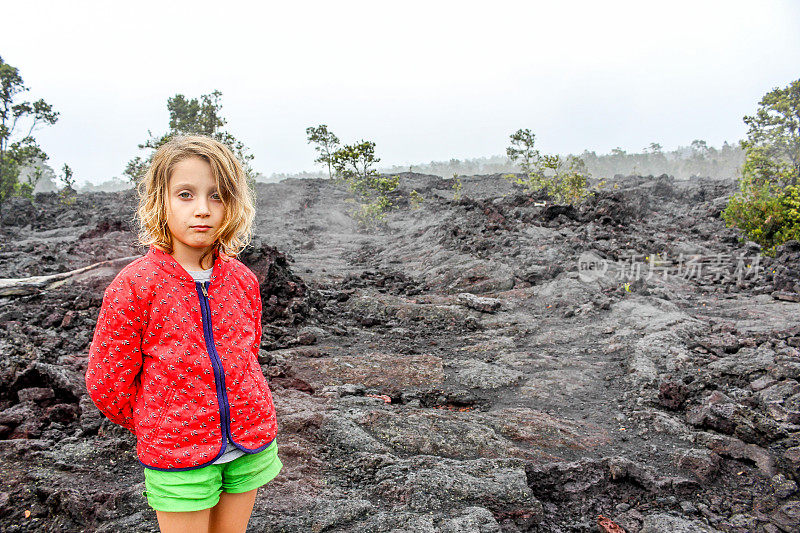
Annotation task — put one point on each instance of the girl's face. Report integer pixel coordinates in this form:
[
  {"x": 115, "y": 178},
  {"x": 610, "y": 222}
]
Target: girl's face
[{"x": 194, "y": 208}]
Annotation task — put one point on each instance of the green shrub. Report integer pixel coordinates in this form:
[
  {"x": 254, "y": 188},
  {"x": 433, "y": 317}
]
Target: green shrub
[
  {"x": 767, "y": 206},
  {"x": 372, "y": 209},
  {"x": 565, "y": 180},
  {"x": 457, "y": 188},
  {"x": 353, "y": 166},
  {"x": 67, "y": 195},
  {"x": 766, "y": 213},
  {"x": 570, "y": 184},
  {"x": 415, "y": 199}
]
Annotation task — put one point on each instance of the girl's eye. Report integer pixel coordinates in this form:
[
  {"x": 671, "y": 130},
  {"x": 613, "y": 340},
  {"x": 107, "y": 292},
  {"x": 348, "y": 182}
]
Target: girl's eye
[
  {"x": 181, "y": 194},
  {"x": 216, "y": 196}
]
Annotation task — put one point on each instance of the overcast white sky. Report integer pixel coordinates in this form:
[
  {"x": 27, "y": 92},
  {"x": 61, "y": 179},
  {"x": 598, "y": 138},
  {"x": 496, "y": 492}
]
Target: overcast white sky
[{"x": 426, "y": 80}]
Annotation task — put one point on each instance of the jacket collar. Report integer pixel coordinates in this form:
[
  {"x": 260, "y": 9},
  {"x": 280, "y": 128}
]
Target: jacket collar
[{"x": 169, "y": 265}]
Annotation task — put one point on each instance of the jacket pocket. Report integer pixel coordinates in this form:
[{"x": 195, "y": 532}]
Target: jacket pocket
[
  {"x": 257, "y": 376},
  {"x": 152, "y": 433},
  {"x": 266, "y": 394},
  {"x": 261, "y": 385}
]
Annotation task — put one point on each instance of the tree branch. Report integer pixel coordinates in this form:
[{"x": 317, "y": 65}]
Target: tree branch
[{"x": 36, "y": 284}]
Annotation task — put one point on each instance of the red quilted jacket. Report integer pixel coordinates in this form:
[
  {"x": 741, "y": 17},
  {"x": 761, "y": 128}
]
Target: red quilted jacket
[{"x": 175, "y": 361}]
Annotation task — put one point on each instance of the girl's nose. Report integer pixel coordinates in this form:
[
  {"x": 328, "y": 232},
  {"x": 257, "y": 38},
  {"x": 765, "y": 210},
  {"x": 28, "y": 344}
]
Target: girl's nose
[{"x": 202, "y": 207}]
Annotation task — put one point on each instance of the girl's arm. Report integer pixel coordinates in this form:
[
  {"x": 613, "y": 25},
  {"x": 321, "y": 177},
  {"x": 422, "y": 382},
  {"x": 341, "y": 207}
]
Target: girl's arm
[{"x": 115, "y": 356}]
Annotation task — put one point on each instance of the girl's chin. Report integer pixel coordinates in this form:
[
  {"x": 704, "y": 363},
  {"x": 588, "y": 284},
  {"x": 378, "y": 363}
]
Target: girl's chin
[{"x": 198, "y": 244}]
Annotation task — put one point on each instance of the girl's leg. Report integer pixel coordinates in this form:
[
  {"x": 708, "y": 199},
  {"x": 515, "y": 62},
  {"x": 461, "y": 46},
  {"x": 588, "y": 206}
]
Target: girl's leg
[
  {"x": 185, "y": 522},
  {"x": 232, "y": 513}
]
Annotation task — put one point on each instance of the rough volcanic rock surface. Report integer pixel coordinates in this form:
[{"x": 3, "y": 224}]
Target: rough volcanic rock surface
[{"x": 455, "y": 370}]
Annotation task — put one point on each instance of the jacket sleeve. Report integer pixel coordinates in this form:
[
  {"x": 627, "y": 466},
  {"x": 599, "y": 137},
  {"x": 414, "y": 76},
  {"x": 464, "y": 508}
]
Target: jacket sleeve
[{"x": 115, "y": 357}]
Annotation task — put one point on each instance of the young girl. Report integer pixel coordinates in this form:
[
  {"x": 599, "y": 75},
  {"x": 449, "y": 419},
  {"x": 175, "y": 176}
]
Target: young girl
[{"x": 174, "y": 358}]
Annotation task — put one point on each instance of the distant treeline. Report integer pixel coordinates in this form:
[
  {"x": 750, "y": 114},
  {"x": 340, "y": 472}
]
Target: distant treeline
[
  {"x": 47, "y": 183},
  {"x": 698, "y": 159}
]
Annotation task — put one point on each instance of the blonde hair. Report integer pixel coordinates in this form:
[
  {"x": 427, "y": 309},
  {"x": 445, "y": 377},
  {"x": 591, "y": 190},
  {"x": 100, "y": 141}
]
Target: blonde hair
[{"x": 234, "y": 190}]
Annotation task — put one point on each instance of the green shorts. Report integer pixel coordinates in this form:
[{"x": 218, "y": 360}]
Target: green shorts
[{"x": 198, "y": 489}]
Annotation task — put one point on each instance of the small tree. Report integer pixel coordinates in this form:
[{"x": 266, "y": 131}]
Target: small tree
[
  {"x": 68, "y": 193},
  {"x": 457, "y": 185},
  {"x": 564, "y": 179},
  {"x": 326, "y": 143},
  {"x": 415, "y": 199},
  {"x": 192, "y": 117},
  {"x": 699, "y": 149},
  {"x": 767, "y": 206},
  {"x": 353, "y": 164},
  {"x": 773, "y": 140},
  {"x": 18, "y": 147},
  {"x": 654, "y": 148},
  {"x": 522, "y": 150}
]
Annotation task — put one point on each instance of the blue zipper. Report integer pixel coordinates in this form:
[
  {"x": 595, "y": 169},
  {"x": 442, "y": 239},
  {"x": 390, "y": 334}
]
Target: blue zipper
[{"x": 216, "y": 363}]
